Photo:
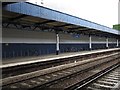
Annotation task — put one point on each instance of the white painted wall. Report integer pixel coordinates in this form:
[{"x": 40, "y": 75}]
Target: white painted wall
[
  {"x": 24, "y": 36},
  {"x": 68, "y": 38},
  {"x": 112, "y": 40}
]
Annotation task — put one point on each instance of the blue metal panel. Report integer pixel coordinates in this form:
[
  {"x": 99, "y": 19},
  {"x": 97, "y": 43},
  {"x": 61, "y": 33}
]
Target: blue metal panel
[
  {"x": 46, "y": 13},
  {"x": 74, "y": 47},
  {"x": 112, "y": 45},
  {"x": 98, "y": 46},
  {"x": 21, "y": 49},
  {"x": 12, "y": 50}
]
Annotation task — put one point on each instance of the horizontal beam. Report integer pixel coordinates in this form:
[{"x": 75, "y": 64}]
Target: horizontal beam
[
  {"x": 76, "y": 28},
  {"x": 63, "y": 25},
  {"x": 19, "y": 17},
  {"x": 6, "y": 3},
  {"x": 48, "y": 21}
]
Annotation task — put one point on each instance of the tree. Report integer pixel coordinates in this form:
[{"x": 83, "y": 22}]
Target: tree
[{"x": 117, "y": 26}]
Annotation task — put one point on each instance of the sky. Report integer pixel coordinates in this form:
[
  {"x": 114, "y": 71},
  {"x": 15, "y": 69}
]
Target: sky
[{"x": 104, "y": 12}]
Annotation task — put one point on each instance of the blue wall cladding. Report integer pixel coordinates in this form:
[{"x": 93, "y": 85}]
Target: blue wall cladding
[
  {"x": 98, "y": 46},
  {"x": 112, "y": 45},
  {"x": 0, "y": 50},
  {"x": 73, "y": 47},
  {"x": 20, "y": 50},
  {"x": 12, "y": 50}
]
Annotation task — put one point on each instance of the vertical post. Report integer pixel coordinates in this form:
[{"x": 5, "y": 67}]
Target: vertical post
[
  {"x": 57, "y": 43},
  {"x": 90, "y": 42},
  {"x": 106, "y": 42},
  {"x": 117, "y": 43}
]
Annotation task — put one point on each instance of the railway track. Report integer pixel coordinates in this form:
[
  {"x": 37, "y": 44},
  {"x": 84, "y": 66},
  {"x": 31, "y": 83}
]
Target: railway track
[
  {"x": 21, "y": 69},
  {"x": 63, "y": 77},
  {"x": 71, "y": 82},
  {"x": 109, "y": 80}
]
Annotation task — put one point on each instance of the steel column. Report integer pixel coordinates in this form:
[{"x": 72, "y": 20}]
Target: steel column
[
  {"x": 57, "y": 43},
  {"x": 90, "y": 42},
  {"x": 117, "y": 43},
  {"x": 107, "y": 43}
]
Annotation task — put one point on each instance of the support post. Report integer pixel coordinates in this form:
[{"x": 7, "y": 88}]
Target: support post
[
  {"x": 57, "y": 43},
  {"x": 117, "y": 43},
  {"x": 107, "y": 43},
  {"x": 90, "y": 42}
]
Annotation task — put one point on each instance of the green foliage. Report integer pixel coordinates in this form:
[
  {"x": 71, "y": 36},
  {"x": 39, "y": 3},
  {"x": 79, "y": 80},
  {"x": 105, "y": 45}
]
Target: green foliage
[{"x": 116, "y": 26}]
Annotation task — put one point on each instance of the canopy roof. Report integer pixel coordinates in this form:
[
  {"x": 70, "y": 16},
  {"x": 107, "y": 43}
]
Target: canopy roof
[{"x": 31, "y": 15}]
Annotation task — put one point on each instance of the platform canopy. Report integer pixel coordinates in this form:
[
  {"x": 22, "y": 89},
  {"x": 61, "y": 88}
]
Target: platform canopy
[{"x": 34, "y": 16}]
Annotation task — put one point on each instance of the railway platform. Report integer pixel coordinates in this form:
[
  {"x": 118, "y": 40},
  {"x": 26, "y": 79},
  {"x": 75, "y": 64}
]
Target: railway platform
[{"x": 30, "y": 60}]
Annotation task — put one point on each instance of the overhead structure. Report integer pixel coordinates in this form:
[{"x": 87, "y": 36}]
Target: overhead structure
[{"x": 28, "y": 15}]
